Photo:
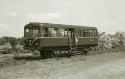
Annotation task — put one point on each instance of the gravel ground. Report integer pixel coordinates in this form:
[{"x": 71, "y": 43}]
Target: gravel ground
[{"x": 105, "y": 66}]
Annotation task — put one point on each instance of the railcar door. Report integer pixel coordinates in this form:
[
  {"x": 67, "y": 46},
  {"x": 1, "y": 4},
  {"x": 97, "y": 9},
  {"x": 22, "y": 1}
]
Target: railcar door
[{"x": 72, "y": 38}]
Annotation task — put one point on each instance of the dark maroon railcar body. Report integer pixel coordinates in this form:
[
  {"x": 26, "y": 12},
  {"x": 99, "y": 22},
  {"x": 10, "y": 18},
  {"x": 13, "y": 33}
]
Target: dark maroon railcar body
[{"x": 48, "y": 36}]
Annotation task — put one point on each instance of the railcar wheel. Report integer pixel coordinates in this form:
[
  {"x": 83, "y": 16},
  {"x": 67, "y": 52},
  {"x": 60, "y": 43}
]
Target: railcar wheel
[
  {"x": 84, "y": 52},
  {"x": 72, "y": 51},
  {"x": 43, "y": 53},
  {"x": 46, "y": 53},
  {"x": 49, "y": 53},
  {"x": 52, "y": 54}
]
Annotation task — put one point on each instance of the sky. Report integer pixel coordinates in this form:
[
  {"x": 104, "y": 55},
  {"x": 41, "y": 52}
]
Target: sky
[{"x": 107, "y": 15}]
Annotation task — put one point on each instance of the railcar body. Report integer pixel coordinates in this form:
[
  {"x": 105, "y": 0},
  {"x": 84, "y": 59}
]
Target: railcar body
[{"x": 52, "y": 37}]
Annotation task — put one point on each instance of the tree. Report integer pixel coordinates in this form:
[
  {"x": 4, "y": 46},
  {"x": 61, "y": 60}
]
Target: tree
[
  {"x": 2, "y": 41},
  {"x": 21, "y": 40},
  {"x": 11, "y": 40}
]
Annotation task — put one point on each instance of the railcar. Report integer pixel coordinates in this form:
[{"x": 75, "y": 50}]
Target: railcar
[{"x": 49, "y": 38}]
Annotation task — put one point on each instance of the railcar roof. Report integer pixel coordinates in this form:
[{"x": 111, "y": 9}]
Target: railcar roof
[{"x": 38, "y": 24}]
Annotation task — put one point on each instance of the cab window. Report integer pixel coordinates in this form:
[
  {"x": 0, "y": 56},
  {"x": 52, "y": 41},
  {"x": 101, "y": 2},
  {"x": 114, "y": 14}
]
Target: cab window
[{"x": 31, "y": 32}]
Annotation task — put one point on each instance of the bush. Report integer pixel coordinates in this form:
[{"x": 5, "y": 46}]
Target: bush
[{"x": 108, "y": 41}]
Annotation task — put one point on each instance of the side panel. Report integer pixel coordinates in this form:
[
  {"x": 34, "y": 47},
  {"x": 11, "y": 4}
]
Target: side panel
[
  {"x": 53, "y": 41},
  {"x": 58, "y": 42},
  {"x": 87, "y": 40}
]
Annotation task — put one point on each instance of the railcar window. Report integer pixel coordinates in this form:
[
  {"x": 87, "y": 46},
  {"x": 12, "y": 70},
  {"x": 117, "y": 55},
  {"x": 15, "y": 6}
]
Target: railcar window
[
  {"x": 95, "y": 32},
  {"x": 45, "y": 33},
  {"x": 27, "y": 30},
  {"x": 54, "y": 32},
  {"x": 35, "y": 33},
  {"x": 65, "y": 33},
  {"x": 79, "y": 33},
  {"x": 31, "y": 32},
  {"x": 69, "y": 33},
  {"x": 85, "y": 33},
  {"x": 89, "y": 33}
]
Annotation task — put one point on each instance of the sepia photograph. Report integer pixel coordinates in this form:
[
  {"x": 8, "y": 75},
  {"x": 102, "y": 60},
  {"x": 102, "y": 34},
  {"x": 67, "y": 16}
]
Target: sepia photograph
[{"x": 62, "y": 39}]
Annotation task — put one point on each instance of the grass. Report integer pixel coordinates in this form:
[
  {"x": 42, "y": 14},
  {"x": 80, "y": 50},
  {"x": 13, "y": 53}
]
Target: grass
[
  {"x": 29, "y": 66},
  {"x": 22, "y": 59},
  {"x": 10, "y": 61}
]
